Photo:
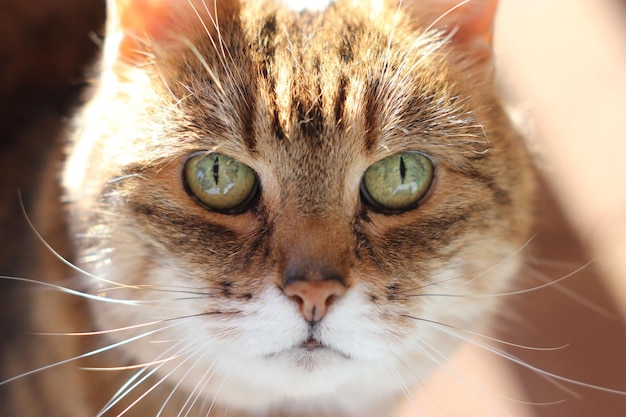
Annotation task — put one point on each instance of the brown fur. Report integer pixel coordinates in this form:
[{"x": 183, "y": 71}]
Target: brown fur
[{"x": 309, "y": 101}]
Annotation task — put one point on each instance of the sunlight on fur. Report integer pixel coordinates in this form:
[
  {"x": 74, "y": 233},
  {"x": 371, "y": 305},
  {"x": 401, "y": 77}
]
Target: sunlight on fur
[{"x": 287, "y": 210}]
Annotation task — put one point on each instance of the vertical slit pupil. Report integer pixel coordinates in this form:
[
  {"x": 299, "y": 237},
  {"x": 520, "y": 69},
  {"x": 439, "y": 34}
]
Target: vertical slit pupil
[
  {"x": 216, "y": 170},
  {"x": 402, "y": 170}
]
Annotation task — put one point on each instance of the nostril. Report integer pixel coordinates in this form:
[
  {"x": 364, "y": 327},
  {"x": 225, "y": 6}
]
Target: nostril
[
  {"x": 331, "y": 299},
  {"x": 314, "y": 297},
  {"x": 298, "y": 299}
]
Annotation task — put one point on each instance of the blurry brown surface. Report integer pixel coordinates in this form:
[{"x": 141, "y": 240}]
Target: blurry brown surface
[
  {"x": 45, "y": 45},
  {"x": 567, "y": 61},
  {"x": 44, "y": 48}
]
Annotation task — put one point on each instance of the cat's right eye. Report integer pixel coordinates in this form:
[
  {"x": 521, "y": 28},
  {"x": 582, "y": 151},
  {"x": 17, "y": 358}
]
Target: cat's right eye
[
  {"x": 220, "y": 182},
  {"x": 397, "y": 183}
]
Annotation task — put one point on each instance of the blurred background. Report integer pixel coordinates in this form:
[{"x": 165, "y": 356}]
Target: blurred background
[{"x": 562, "y": 65}]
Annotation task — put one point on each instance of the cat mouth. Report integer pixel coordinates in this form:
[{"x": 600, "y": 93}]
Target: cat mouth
[{"x": 312, "y": 344}]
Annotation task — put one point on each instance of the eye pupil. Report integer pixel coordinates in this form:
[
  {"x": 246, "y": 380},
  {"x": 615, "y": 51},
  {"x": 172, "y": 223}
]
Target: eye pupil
[
  {"x": 397, "y": 183},
  {"x": 219, "y": 182},
  {"x": 216, "y": 170}
]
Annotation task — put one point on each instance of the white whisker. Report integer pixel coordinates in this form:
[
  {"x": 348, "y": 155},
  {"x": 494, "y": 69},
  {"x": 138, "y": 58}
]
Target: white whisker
[
  {"x": 405, "y": 389},
  {"x": 549, "y": 376},
  {"x": 130, "y": 367},
  {"x": 101, "y": 332},
  {"x": 509, "y": 293},
  {"x": 75, "y": 292},
  {"x": 200, "y": 385},
  {"x": 556, "y": 284},
  {"x": 85, "y": 355},
  {"x": 137, "y": 379},
  {"x": 474, "y": 276},
  {"x": 206, "y": 65},
  {"x": 477, "y": 391},
  {"x": 59, "y": 256},
  {"x": 442, "y": 16},
  {"x": 217, "y": 393},
  {"x": 490, "y": 338},
  {"x": 387, "y": 59}
]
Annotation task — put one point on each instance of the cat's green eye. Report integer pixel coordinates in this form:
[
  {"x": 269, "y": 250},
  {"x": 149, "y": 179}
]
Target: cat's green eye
[
  {"x": 398, "y": 182},
  {"x": 220, "y": 182}
]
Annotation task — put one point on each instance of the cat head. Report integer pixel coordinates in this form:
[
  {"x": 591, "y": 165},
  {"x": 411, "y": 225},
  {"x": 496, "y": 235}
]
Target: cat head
[{"x": 305, "y": 198}]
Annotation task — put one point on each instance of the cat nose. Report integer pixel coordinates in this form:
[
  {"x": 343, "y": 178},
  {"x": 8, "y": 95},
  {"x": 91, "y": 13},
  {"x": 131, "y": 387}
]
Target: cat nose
[{"x": 314, "y": 296}]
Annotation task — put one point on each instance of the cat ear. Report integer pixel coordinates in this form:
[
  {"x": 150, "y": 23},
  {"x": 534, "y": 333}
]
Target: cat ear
[
  {"x": 133, "y": 25},
  {"x": 468, "y": 22}
]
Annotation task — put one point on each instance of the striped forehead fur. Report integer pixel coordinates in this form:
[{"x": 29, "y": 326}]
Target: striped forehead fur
[{"x": 289, "y": 71}]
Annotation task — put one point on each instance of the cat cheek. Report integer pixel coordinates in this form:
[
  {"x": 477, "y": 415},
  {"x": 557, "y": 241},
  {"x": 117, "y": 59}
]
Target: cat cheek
[
  {"x": 357, "y": 327},
  {"x": 269, "y": 324}
]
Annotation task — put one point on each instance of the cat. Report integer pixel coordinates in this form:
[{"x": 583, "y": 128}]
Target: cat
[{"x": 274, "y": 212}]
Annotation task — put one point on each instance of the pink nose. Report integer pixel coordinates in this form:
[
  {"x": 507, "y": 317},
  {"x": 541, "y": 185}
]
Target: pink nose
[{"x": 314, "y": 297}]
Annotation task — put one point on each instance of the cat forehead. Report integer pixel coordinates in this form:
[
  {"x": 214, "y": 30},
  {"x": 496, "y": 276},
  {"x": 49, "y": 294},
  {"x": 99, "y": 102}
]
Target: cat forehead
[
  {"x": 289, "y": 83},
  {"x": 281, "y": 92}
]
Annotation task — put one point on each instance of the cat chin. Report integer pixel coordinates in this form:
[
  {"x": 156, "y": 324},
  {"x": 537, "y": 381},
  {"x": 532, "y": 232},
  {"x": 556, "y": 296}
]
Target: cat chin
[{"x": 305, "y": 381}]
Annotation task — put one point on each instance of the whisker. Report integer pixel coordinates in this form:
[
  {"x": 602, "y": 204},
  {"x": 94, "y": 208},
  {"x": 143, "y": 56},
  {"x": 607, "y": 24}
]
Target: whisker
[
  {"x": 74, "y": 292},
  {"x": 122, "y": 178},
  {"x": 200, "y": 386},
  {"x": 166, "y": 289},
  {"x": 222, "y": 50},
  {"x": 129, "y": 367},
  {"x": 205, "y": 64},
  {"x": 405, "y": 389},
  {"x": 138, "y": 378},
  {"x": 58, "y": 255},
  {"x": 85, "y": 355},
  {"x": 217, "y": 393},
  {"x": 484, "y": 391},
  {"x": 497, "y": 351},
  {"x": 102, "y": 298},
  {"x": 506, "y": 258},
  {"x": 475, "y": 275},
  {"x": 477, "y": 391},
  {"x": 553, "y": 264},
  {"x": 569, "y": 293},
  {"x": 507, "y": 293},
  {"x": 550, "y": 376},
  {"x": 441, "y": 17},
  {"x": 535, "y": 288},
  {"x": 101, "y": 332},
  {"x": 126, "y": 389},
  {"x": 143, "y": 395},
  {"x": 180, "y": 381},
  {"x": 486, "y": 337},
  {"x": 387, "y": 59}
]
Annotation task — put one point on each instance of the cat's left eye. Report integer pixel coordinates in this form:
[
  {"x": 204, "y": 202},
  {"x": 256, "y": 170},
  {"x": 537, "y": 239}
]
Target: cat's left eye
[
  {"x": 397, "y": 183},
  {"x": 220, "y": 182}
]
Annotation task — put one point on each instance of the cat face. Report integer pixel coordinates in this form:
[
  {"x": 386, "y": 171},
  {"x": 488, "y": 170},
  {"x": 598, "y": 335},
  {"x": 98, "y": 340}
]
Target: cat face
[{"x": 290, "y": 204}]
